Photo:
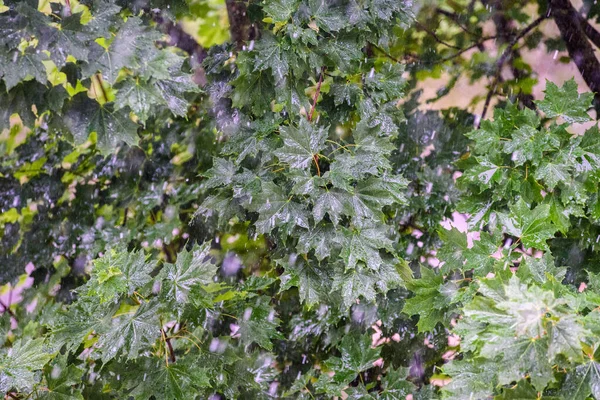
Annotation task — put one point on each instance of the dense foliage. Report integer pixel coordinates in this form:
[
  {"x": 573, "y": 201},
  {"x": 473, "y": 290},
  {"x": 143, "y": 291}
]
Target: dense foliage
[{"x": 262, "y": 217}]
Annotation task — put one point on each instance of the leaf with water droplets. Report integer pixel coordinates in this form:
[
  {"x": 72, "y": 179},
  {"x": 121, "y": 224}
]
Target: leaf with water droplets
[
  {"x": 427, "y": 301},
  {"x": 194, "y": 267},
  {"x": 553, "y": 174},
  {"x": 112, "y": 127},
  {"x": 301, "y": 144},
  {"x": 533, "y": 227},
  {"x": 19, "y": 364},
  {"x": 62, "y": 379},
  {"x": 22, "y": 66},
  {"x": 363, "y": 244},
  {"x": 566, "y": 102},
  {"x": 280, "y": 10},
  {"x": 118, "y": 272},
  {"x": 582, "y": 381},
  {"x": 277, "y": 209},
  {"x": 131, "y": 331}
]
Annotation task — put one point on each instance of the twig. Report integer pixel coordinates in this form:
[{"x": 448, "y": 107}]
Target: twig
[
  {"x": 316, "y": 96},
  {"x": 69, "y": 11},
  {"x": 456, "y": 19},
  {"x": 8, "y": 310},
  {"x": 169, "y": 345},
  {"x": 503, "y": 58},
  {"x": 464, "y": 50},
  {"x": 436, "y": 37}
]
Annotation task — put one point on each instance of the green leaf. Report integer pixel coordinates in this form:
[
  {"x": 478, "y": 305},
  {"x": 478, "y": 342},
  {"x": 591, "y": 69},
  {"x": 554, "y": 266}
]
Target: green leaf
[
  {"x": 523, "y": 391},
  {"x": 131, "y": 332},
  {"x": 323, "y": 238},
  {"x": 280, "y": 10},
  {"x": 85, "y": 316},
  {"x": 270, "y": 54},
  {"x": 118, "y": 272},
  {"x": 275, "y": 208},
  {"x": 112, "y": 127},
  {"x": 194, "y": 267},
  {"x": 258, "y": 324},
  {"x": 308, "y": 278},
  {"x": 566, "y": 102},
  {"x": 18, "y": 366},
  {"x": 221, "y": 173},
  {"x": 357, "y": 355},
  {"x": 456, "y": 254},
  {"x": 328, "y": 18},
  {"x": 566, "y": 335},
  {"x": 140, "y": 96},
  {"x": 533, "y": 227},
  {"x": 330, "y": 202},
  {"x": 354, "y": 284},
  {"x": 470, "y": 379},
  {"x": 70, "y": 40},
  {"x": 23, "y": 66},
  {"x": 428, "y": 303},
  {"x": 519, "y": 358},
  {"x": 552, "y": 174},
  {"x": 527, "y": 144},
  {"x": 395, "y": 384},
  {"x": 173, "y": 91},
  {"x": 119, "y": 53},
  {"x": 301, "y": 144},
  {"x": 582, "y": 382},
  {"x": 180, "y": 380},
  {"x": 62, "y": 380},
  {"x": 363, "y": 245}
]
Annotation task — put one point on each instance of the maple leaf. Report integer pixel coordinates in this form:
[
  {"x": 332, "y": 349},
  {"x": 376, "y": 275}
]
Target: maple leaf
[
  {"x": 17, "y": 367},
  {"x": 194, "y": 267},
  {"x": 85, "y": 116},
  {"x": 566, "y": 102},
  {"x": 531, "y": 226},
  {"x": 301, "y": 144}
]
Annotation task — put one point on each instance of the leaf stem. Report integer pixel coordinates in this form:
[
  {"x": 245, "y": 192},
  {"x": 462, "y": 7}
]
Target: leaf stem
[
  {"x": 316, "y": 160},
  {"x": 316, "y": 96}
]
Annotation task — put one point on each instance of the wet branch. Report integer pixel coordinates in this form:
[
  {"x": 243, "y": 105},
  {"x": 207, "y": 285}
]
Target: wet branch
[{"x": 503, "y": 59}]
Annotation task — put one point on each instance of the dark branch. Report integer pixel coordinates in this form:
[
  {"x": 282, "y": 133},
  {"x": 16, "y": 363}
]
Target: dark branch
[
  {"x": 7, "y": 309},
  {"x": 241, "y": 28},
  {"x": 464, "y": 50},
  {"x": 590, "y": 31}
]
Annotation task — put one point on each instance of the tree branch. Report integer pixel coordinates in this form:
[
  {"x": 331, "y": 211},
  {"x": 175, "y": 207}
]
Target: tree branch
[
  {"x": 580, "y": 50},
  {"x": 179, "y": 38},
  {"x": 502, "y": 60},
  {"x": 435, "y": 36},
  {"x": 589, "y": 30},
  {"x": 241, "y": 28},
  {"x": 456, "y": 19}
]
